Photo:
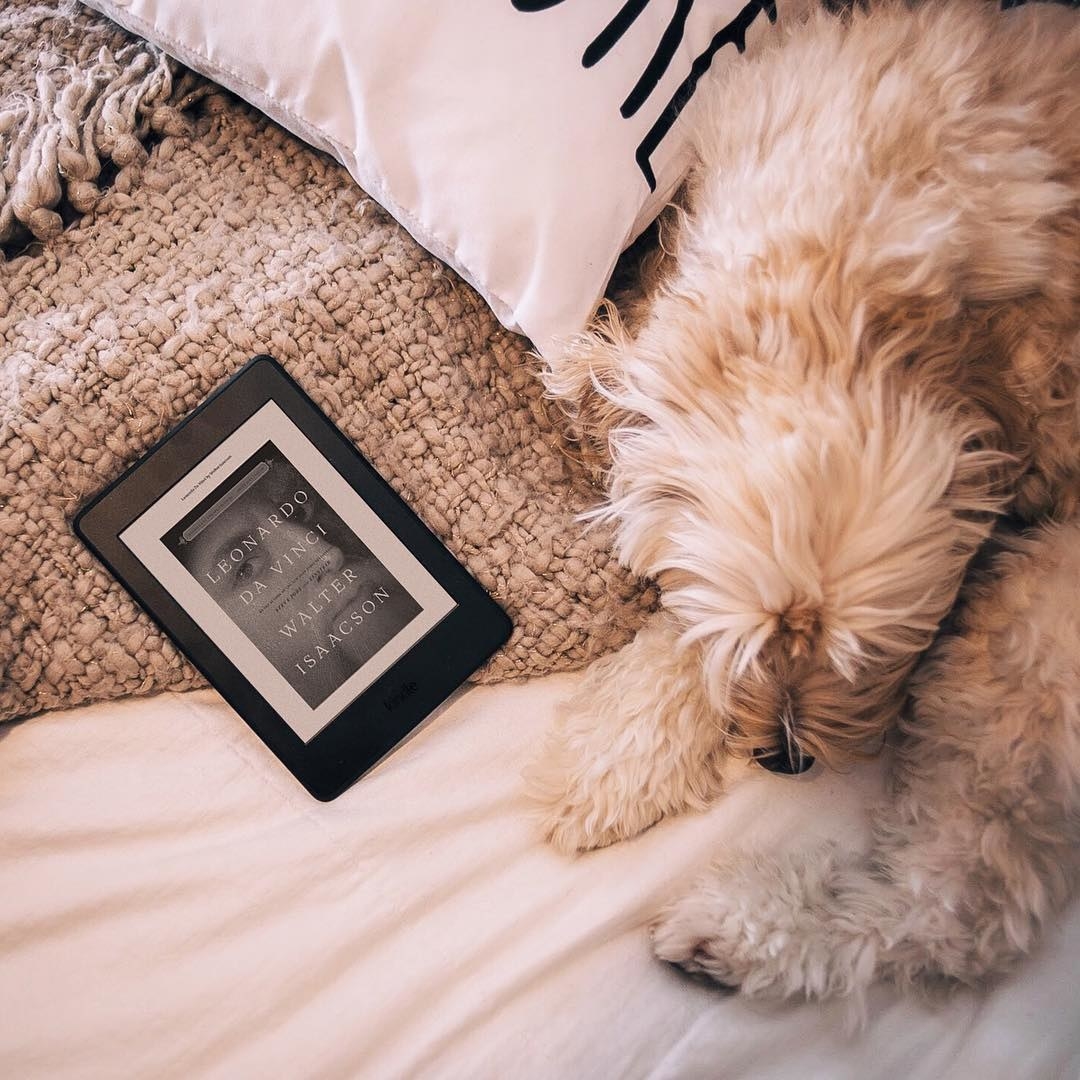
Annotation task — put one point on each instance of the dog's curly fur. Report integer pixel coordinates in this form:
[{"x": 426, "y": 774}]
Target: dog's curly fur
[{"x": 863, "y": 346}]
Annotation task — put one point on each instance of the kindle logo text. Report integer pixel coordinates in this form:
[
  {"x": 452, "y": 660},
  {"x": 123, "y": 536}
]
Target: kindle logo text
[{"x": 401, "y": 695}]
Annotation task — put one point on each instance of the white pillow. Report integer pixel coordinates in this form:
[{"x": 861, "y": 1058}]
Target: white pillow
[{"x": 493, "y": 130}]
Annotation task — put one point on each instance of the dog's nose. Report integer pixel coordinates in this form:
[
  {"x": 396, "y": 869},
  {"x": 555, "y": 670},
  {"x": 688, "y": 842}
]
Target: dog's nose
[
  {"x": 783, "y": 761},
  {"x": 789, "y": 758}
]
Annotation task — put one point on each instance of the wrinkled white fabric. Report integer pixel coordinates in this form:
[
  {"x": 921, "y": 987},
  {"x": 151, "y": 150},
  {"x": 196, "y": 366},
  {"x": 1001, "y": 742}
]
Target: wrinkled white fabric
[{"x": 174, "y": 905}]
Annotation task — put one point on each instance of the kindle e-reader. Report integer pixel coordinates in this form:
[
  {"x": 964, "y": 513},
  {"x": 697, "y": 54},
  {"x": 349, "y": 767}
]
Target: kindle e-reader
[{"x": 294, "y": 578}]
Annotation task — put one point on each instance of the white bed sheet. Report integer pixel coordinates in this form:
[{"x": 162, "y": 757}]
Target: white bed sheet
[{"x": 173, "y": 905}]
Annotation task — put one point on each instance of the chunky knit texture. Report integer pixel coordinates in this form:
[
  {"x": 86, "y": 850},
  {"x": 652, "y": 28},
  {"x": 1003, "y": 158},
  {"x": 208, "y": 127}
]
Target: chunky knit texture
[{"x": 221, "y": 236}]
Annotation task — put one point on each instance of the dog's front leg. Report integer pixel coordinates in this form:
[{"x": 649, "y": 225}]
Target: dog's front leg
[
  {"x": 806, "y": 924},
  {"x": 961, "y": 901},
  {"x": 636, "y": 742}
]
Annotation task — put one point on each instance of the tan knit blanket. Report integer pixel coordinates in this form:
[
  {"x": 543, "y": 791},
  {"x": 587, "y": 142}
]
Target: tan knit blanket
[{"x": 158, "y": 233}]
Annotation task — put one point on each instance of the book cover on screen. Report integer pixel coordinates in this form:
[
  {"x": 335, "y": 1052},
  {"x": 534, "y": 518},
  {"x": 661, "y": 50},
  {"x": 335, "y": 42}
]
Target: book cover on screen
[{"x": 304, "y": 589}]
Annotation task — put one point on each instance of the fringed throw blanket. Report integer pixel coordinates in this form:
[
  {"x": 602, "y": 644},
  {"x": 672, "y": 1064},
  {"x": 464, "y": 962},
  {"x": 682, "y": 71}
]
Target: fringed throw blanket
[{"x": 157, "y": 234}]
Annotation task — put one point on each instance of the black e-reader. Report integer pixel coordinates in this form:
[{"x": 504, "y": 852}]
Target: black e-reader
[{"x": 293, "y": 577}]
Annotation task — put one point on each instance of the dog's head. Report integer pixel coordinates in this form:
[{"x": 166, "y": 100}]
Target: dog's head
[
  {"x": 809, "y": 536},
  {"x": 805, "y": 421}
]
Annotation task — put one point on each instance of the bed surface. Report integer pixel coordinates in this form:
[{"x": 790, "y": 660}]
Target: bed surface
[{"x": 174, "y": 905}]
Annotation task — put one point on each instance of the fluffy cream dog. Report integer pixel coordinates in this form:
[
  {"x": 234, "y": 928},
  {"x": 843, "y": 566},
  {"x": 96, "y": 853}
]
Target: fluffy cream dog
[{"x": 863, "y": 346}]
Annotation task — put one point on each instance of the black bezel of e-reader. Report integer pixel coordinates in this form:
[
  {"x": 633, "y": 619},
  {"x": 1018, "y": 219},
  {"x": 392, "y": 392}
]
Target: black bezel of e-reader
[{"x": 398, "y": 700}]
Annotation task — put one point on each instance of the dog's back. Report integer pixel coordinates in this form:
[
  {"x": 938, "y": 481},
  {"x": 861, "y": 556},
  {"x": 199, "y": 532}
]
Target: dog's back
[{"x": 922, "y": 165}]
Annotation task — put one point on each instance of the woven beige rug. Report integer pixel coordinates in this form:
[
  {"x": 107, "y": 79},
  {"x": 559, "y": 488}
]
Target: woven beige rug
[{"x": 198, "y": 234}]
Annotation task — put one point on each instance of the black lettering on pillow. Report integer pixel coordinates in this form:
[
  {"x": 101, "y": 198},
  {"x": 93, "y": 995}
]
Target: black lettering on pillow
[{"x": 732, "y": 34}]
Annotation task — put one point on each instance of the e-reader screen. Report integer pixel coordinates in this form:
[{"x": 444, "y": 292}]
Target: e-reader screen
[{"x": 288, "y": 570}]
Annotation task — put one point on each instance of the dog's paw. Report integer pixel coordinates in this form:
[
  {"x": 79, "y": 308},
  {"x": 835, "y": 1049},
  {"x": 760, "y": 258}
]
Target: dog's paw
[
  {"x": 637, "y": 741},
  {"x": 584, "y": 820},
  {"x": 720, "y": 931},
  {"x": 768, "y": 927},
  {"x": 588, "y": 792}
]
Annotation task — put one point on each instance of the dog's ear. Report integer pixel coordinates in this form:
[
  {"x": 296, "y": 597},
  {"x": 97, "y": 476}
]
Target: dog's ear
[
  {"x": 916, "y": 265},
  {"x": 990, "y": 371},
  {"x": 1033, "y": 387},
  {"x": 585, "y": 376},
  {"x": 583, "y": 381}
]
